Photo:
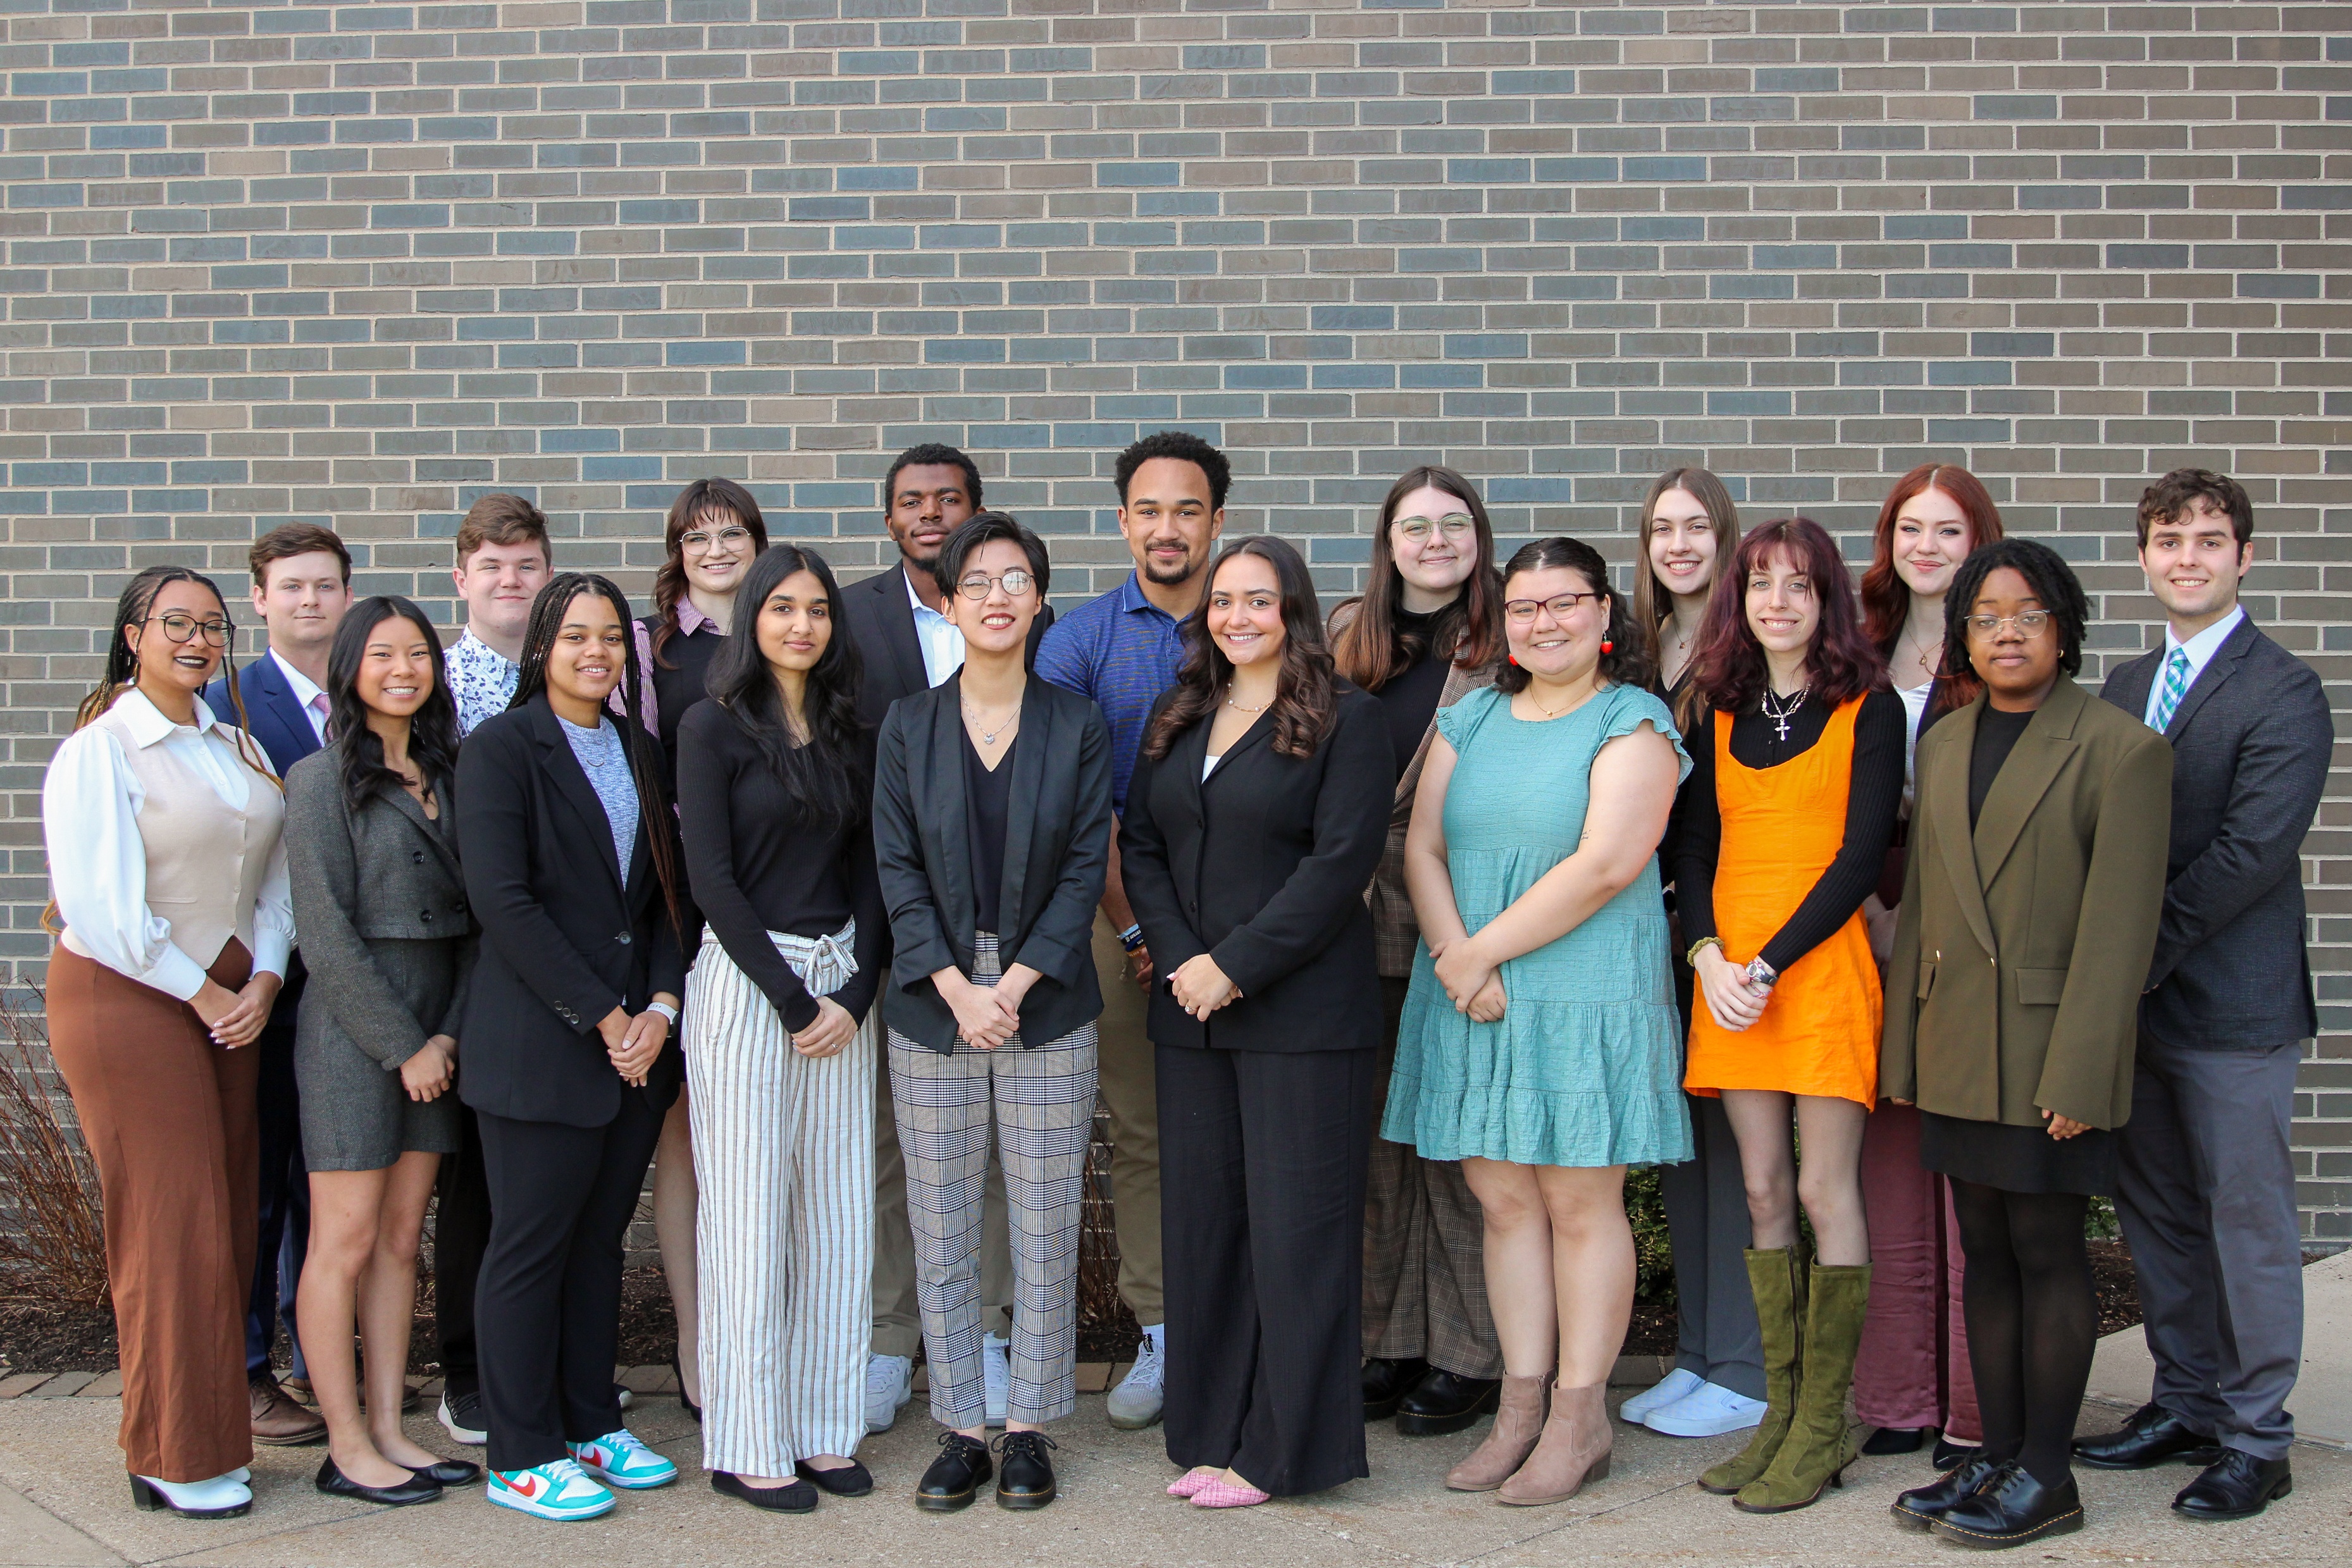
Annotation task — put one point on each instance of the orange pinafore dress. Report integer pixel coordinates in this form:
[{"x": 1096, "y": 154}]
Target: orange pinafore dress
[{"x": 1782, "y": 827}]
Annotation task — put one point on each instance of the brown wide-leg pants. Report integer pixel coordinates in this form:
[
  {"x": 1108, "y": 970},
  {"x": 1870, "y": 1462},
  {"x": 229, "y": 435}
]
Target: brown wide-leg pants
[{"x": 169, "y": 1117}]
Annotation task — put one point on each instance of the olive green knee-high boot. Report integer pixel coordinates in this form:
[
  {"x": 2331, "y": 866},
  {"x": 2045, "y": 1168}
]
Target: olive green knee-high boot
[
  {"x": 1777, "y": 1277},
  {"x": 1821, "y": 1441}
]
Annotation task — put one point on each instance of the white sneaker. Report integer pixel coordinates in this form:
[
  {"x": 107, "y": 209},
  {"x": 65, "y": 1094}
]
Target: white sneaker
[
  {"x": 1710, "y": 1412},
  {"x": 1136, "y": 1403},
  {"x": 1679, "y": 1383},
  {"x": 996, "y": 1370},
  {"x": 889, "y": 1384}
]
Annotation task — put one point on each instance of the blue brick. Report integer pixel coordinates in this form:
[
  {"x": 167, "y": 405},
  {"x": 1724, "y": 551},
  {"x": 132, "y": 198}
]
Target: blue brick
[
  {"x": 1488, "y": 171},
  {"x": 1486, "y": 345},
  {"x": 705, "y": 352},
  {"x": 963, "y": 350},
  {"x": 1115, "y": 174},
  {"x": 828, "y": 209}
]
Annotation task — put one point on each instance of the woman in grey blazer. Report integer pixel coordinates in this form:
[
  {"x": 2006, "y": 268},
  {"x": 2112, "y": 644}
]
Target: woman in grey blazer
[{"x": 381, "y": 916}]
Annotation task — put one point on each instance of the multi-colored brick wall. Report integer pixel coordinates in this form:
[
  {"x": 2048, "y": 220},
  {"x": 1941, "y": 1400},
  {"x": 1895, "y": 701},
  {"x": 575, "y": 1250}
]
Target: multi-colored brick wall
[{"x": 359, "y": 264}]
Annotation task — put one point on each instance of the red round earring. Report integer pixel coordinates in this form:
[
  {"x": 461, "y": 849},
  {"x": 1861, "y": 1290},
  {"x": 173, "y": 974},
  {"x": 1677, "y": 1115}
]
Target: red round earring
[
  {"x": 1513, "y": 657},
  {"x": 1607, "y": 646}
]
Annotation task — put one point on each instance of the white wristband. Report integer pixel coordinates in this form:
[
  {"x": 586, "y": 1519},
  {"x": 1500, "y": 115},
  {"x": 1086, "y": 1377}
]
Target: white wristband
[{"x": 665, "y": 1010}]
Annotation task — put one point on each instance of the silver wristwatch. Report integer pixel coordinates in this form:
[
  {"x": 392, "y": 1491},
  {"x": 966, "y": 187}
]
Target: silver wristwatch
[{"x": 1761, "y": 975}]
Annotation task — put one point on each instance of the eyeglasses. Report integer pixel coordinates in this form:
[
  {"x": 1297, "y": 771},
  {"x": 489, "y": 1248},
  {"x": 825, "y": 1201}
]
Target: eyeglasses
[
  {"x": 2028, "y": 622},
  {"x": 975, "y": 585},
  {"x": 1455, "y": 526},
  {"x": 180, "y": 627},
  {"x": 1522, "y": 612},
  {"x": 698, "y": 541}
]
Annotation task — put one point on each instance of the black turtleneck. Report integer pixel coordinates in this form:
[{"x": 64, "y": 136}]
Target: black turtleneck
[{"x": 1410, "y": 699}]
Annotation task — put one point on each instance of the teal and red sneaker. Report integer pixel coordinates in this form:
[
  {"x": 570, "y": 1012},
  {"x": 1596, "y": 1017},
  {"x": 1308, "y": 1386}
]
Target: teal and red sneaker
[
  {"x": 617, "y": 1458},
  {"x": 558, "y": 1490}
]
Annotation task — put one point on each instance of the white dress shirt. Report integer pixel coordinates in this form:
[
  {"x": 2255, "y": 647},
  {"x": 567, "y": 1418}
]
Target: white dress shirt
[
  {"x": 307, "y": 693},
  {"x": 2200, "y": 650},
  {"x": 942, "y": 643},
  {"x": 98, "y": 860}
]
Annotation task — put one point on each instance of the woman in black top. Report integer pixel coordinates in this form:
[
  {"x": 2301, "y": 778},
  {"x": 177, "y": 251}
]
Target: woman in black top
[
  {"x": 1258, "y": 811},
  {"x": 774, "y": 799}
]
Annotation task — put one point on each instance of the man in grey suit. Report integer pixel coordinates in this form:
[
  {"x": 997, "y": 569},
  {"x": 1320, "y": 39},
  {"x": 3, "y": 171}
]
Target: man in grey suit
[{"x": 2205, "y": 1192}]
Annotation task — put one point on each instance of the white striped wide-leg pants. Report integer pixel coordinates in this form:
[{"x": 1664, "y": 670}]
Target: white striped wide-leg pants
[{"x": 783, "y": 1153}]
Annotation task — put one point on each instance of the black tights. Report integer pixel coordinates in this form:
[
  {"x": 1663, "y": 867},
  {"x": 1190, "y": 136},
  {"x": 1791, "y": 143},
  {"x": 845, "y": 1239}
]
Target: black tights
[{"x": 2033, "y": 1319}]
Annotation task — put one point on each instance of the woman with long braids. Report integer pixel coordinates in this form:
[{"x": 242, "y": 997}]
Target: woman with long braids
[
  {"x": 371, "y": 845},
  {"x": 1778, "y": 835},
  {"x": 165, "y": 834},
  {"x": 775, "y": 777},
  {"x": 573, "y": 870}
]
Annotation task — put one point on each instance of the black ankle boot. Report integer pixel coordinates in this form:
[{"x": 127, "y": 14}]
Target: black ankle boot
[
  {"x": 1386, "y": 1383},
  {"x": 1444, "y": 1402}
]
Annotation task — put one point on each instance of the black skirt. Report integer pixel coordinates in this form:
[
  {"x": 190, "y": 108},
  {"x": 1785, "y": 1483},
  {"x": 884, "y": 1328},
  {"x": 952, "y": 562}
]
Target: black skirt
[{"x": 2018, "y": 1159}]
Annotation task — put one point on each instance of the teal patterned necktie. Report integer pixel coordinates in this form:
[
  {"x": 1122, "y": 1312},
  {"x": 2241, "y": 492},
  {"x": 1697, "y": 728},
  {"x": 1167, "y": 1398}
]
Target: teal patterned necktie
[{"x": 2176, "y": 686}]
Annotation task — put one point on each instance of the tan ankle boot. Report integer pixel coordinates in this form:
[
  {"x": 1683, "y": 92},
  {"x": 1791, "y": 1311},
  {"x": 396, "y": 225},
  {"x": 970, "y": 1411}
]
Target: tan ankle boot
[
  {"x": 1519, "y": 1422},
  {"x": 1574, "y": 1450}
]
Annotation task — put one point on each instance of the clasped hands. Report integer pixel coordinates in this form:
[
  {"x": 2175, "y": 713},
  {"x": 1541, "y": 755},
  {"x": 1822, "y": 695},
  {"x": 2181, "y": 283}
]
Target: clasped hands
[
  {"x": 427, "y": 1074},
  {"x": 1734, "y": 1003},
  {"x": 986, "y": 1015},
  {"x": 634, "y": 1043},
  {"x": 1473, "y": 981},
  {"x": 236, "y": 1018},
  {"x": 1200, "y": 987}
]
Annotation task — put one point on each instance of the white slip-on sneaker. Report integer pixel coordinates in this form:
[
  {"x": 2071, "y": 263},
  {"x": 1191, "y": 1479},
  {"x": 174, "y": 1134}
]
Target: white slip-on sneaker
[
  {"x": 1679, "y": 1383},
  {"x": 889, "y": 1384},
  {"x": 996, "y": 1376},
  {"x": 1709, "y": 1411}
]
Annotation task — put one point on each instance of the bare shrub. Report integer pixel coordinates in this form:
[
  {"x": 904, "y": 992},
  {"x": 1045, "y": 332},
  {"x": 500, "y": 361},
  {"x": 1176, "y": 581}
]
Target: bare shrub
[{"x": 52, "y": 1230}]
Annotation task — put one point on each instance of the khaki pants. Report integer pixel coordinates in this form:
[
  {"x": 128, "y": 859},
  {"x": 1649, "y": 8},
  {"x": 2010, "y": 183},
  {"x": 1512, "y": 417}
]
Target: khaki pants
[{"x": 1131, "y": 1092}]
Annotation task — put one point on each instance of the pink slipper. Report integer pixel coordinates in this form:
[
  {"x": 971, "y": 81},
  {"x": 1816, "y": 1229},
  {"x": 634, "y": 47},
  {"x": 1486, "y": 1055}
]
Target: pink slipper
[
  {"x": 1193, "y": 1480},
  {"x": 1219, "y": 1492}
]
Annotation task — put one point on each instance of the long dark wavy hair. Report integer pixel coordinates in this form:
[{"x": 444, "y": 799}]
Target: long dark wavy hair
[
  {"x": 1369, "y": 650},
  {"x": 2052, "y": 580},
  {"x": 1728, "y": 669},
  {"x": 1627, "y": 662},
  {"x": 1886, "y": 601},
  {"x": 655, "y": 820},
  {"x": 359, "y": 750},
  {"x": 706, "y": 501},
  {"x": 1305, "y": 705},
  {"x": 825, "y": 771}
]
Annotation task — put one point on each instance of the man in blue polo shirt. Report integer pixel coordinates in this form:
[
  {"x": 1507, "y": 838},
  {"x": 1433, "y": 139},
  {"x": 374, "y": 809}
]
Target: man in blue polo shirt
[{"x": 1123, "y": 649}]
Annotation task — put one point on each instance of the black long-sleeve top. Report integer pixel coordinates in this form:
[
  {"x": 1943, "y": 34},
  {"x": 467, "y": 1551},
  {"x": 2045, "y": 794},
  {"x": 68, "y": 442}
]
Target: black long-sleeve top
[
  {"x": 758, "y": 865},
  {"x": 1874, "y": 801}
]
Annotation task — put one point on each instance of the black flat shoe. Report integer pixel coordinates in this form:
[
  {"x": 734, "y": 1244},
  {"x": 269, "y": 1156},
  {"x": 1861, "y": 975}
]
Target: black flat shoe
[
  {"x": 956, "y": 1477},
  {"x": 334, "y": 1483},
  {"x": 450, "y": 1472},
  {"x": 1386, "y": 1381},
  {"x": 1897, "y": 1440},
  {"x": 2235, "y": 1486},
  {"x": 1024, "y": 1477},
  {"x": 1922, "y": 1506},
  {"x": 1444, "y": 1402},
  {"x": 1950, "y": 1456},
  {"x": 677, "y": 1370},
  {"x": 2011, "y": 1509},
  {"x": 792, "y": 1496},
  {"x": 852, "y": 1479},
  {"x": 2149, "y": 1436}
]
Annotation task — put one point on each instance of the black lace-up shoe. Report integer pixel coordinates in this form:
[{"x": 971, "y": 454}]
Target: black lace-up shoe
[
  {"x": 2011, "y": 1509},
  {"x": 956, "y": 1477},
  {"x": 1025, "y": 1477},
  {"x": 2152, "y": 1435}
]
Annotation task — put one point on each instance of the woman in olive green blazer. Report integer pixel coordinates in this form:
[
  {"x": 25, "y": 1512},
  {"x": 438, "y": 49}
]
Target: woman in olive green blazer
[{"x": 2039, "y": 832}]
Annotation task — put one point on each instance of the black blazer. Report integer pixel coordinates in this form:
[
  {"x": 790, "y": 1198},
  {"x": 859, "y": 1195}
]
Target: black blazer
[
  {"x": 883, "y": 624},
  {"x": 562, "y": 942},
  {"x": 1263, "y": 867},
  {"x": 2250, "y": 745},
  {"x": 1056, "y": 851}
]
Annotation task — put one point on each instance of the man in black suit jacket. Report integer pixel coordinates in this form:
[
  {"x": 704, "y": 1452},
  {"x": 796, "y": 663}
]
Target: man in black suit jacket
[
  {"x": 2206, "y": 1191},
  {"x": 301, "y": 585}
]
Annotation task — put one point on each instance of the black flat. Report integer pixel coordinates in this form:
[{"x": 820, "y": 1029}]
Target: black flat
[
  {"x": 418, "y": 1488},
  {"x": 450, "y": 1472},
  {"x": 678, "y": 1370},
  {"x": 852, "y": 1479},
  {"x": 2011, "y": 1509},
  {"x": 1897, "y": 1440},
  {"x": 792, "y": 1496}
]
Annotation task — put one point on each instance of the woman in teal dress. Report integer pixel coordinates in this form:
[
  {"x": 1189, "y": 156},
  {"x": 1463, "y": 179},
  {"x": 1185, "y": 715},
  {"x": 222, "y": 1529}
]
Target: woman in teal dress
[{"x": 1541, "y": 1044}]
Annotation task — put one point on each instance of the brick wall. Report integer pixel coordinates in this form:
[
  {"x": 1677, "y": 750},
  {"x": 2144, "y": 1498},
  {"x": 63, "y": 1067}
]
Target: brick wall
[{"x": 360, "y": 264}]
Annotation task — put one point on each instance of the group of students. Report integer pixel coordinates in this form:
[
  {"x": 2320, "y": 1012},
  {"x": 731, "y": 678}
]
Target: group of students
[{"x": 1388, "y": 940}]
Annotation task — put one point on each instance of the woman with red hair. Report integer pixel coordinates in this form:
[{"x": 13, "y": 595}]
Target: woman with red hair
[
  {"x": 1911, "y": 1378},
  {"x": 1779, "y": 832}
]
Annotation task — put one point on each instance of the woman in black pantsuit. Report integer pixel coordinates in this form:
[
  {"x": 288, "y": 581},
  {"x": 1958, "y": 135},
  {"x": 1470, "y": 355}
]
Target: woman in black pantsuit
[
  {"x": 572, "y": 867},
  {"x": 1257, "y": 813}
]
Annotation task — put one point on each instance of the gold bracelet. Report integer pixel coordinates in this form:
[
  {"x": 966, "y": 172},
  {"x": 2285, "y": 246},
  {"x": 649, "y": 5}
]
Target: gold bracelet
[{"x": 1691, "y": 957}]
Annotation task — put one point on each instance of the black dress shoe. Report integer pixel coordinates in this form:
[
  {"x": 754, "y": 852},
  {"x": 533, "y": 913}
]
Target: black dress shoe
[
  {"x": 450, "y": 1472},
  {"x": 1386, "y": 1381},
  {"x": 2011, "y": 1509},
  {"x": 1897, "y": 1440},
  {"x": 678, "y": 1371},
  {"x": 1444, "y": 1402},
  {"x": 1922, "y": 1506},
  {"x": 956, "y": 1477},
  {"x": 2151, "y": 1435},
  {"x": 1950, "y": 1456},
  {"x": 1026, "y": 1478},
  {"x": 852, "y": 1479},
  {"x": 792, "y": 1496},
  {"x": 2235, "y": 1486},
  {"x": 415, "y": 1489}
]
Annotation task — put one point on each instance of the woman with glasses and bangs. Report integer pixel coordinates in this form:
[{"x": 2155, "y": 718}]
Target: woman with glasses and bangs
[{"x": 164, "y": 829}]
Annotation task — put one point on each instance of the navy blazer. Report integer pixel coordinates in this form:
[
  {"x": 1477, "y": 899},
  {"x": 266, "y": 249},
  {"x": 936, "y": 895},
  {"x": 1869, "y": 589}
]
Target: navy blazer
[
  {"x": 2250, "y": 745},
  {"x": 566, "y": 936},
  {"x": 274, "y": 718}
]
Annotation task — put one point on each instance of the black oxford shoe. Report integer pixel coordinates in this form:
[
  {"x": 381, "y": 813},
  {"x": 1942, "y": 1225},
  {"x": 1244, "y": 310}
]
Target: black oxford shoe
[
  {"x": 1921, "y": 1506},
  {"x": 1025, "y": 1478},
  {"x": 2011, "y": 1509},
  {"x": 956, "y": 1477},
  {"x": 1386, "y": 1383},
  {"x": 2235, "y": 1486},
  {"x": 1444, "y": 1402},
  {"x": 2151, "y": 1435}
]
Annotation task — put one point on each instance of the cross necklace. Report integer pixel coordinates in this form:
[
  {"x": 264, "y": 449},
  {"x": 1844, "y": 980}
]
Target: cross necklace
[{"x": 1780, "y": 710}]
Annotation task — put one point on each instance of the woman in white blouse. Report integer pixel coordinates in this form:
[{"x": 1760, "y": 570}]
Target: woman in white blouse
[{"x": 164, "y": 831}]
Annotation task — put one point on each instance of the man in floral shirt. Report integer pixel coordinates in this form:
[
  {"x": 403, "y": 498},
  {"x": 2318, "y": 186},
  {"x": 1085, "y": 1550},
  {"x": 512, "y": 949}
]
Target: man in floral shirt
[{"x": 503, "y": 561}]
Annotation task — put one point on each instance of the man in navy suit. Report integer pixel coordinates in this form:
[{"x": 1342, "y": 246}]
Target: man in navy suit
[{"x": 301, "y": 585}]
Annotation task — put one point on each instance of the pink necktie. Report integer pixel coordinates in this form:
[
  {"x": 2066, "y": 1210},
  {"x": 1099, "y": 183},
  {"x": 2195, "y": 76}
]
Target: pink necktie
[{"x": 319, "y": 706}]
